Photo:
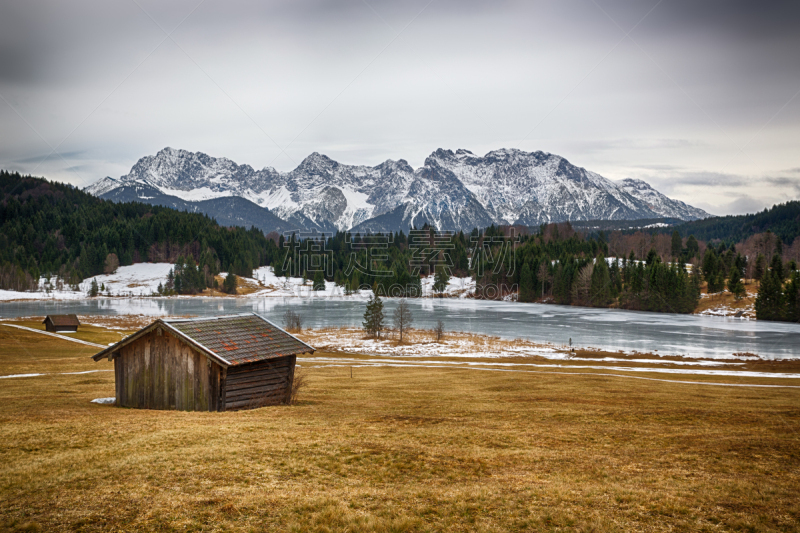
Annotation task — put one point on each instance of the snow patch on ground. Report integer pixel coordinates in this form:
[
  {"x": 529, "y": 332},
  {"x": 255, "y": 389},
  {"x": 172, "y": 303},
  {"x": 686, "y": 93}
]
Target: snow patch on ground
[
  {"x": 141, "y": 279},
  {"x": 353, "y": 342},
  {"x": 105, "y": 401},
  {"x": 56, "y": 374},
  {"x": 289, "y": 286},
  {"x": 463, "y": 345},
  {"x": 746, "y": 313}
]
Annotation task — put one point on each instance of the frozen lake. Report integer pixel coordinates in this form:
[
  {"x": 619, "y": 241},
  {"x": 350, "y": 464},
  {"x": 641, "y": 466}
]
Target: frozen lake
[{"x": 609, "y": 329}]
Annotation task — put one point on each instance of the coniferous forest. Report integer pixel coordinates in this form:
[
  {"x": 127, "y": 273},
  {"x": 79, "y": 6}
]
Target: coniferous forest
[{"x": 52, "y": 229}]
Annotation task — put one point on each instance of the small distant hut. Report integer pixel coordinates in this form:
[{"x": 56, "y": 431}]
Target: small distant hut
[
  {"x": 56, "y": 323},
  {"x": 207, "y": 364}
]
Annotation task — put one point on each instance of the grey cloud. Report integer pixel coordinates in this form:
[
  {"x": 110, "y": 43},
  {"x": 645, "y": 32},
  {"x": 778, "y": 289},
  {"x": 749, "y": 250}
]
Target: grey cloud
[
  {"x": 793, "y": 183},
  {"x": 708, "y": 179},
  {"x": 334, "y": 77},
  {"x": 741, "y": 205},
  {"x": 69, "y": 155}
]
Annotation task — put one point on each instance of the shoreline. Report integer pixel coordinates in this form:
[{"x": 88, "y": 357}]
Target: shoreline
[{"x": 479, "y": 349}]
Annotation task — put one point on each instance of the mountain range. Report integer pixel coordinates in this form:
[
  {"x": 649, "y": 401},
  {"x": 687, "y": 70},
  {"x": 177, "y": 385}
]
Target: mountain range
[{"x": 451, "y": 191}]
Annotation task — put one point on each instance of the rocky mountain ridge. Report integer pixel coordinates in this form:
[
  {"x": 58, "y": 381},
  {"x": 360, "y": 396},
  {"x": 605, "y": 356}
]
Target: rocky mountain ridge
[{"x": 452, "y": 191}]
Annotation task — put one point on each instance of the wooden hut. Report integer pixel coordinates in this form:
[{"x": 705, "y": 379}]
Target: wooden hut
[
  {"x": 205, "y": 364},
  {"x": 56, "y": 323}
]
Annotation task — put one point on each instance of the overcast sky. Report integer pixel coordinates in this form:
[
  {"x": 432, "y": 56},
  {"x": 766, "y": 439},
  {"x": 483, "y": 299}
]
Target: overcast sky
[{"x": 699, "y": 98}]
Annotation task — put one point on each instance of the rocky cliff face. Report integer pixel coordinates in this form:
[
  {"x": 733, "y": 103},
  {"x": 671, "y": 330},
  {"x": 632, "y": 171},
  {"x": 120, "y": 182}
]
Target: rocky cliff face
[{"x": 453, "y": 190}]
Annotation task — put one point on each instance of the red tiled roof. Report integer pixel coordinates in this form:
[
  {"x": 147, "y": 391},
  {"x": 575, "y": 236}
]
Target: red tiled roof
[
  {"x": 240, "y": 339},
  {"x": 63, "y": 320}
]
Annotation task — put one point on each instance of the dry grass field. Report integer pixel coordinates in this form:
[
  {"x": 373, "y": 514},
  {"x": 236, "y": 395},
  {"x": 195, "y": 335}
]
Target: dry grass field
[
  {"x": 395, "y": 449},
  {"x": 725, "y": 304}
]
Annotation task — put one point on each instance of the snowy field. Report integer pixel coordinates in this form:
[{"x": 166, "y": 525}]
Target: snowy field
[
  {"x": 288, "y": 286},
  {"x": 464, "y": 345},
  {"x": 141, "y": 279}
]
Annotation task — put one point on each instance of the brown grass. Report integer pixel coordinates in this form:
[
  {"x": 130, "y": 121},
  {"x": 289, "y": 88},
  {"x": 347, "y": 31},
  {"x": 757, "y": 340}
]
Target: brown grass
[
  {"x": 396, "y": 449},
  {"x": 244, "y": 286},
  {"x": 86, "y": 332},
  {"x": 299, "y": 385},
  {"x": 726, "y": 299},
  {"x": 456, "y": 344}
]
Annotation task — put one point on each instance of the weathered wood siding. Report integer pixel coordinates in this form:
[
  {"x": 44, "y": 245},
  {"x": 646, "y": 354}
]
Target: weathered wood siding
[
  {"x": 257, "y": 384},
  {"x": 162, "y": 372},
  {"x": 49, "y": 326}
]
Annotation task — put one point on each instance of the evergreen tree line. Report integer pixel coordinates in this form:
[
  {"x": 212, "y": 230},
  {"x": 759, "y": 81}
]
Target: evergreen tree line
[
  {"x": 565, "y": 268},
  {"x": 392, "y": 263},
  {"x": 779, "y": 292},
  {"x": 782, "y": 219},
  {"x": 575, "y": 271},
  {"x": 52, "y": 229}
]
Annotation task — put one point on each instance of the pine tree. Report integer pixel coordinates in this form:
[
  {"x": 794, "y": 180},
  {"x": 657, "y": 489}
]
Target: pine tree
[
  {"x": 526, "y": 287},
  {"x": 170, "y": 286},
  {"x": 735, "y": 284},
  {"x": 769, "y": 302},
  {"x": 229, "y": 285},
  {"x": 759, "y": 267},
  {"x": 600, "y": 291},
  {"x": 692, "y": 246},
  {"x": 373, "y": 317},
  {"x": 791, "y": 298},
  {"x": 712, "y": 271},
  {"x": 441, "y": 280},
  {"x": 652, "y": 257},
  {"x": 719, "y": 282},
  {"x": 777, "y": 267},
  {"x": 319, "y": 281},
  {"x": 677, "y": 244},
  {"x": 94, "y": 289}
]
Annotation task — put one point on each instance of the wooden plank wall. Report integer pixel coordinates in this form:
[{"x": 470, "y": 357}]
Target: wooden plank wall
[
  {"x": 161, "y": 372},
  {"x": 254, "y": 385}
]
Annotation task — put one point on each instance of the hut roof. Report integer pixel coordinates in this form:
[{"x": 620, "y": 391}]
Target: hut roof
[
  {"x": 230, "y": 340},
  {"x": 63, "y": 320}
]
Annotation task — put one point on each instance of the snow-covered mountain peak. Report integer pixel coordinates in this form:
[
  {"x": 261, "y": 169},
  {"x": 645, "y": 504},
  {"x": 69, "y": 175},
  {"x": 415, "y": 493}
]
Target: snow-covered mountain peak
[
  {"x": 102, "y": 186},
  {"x": 317, "y": 161},
  {"x": 452, "y": 190}
]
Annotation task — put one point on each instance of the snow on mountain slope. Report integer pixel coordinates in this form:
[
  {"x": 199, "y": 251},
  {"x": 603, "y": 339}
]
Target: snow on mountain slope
[
  {"x": 531, "y": 188},
  {"x": 659, "y": 203},
  {"x": 102, "y": 186},
  {"x": 453, "y": 190}
]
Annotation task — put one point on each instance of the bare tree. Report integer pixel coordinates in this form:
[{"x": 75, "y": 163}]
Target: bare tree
[
  {"x": 292, "y": 321},
  {"x": 438, "y": 329},
  {"x": 402, "y": 317},
  {"x": 111, "y": 264},
  {"x": 582, "y": 286},
  {"x": 544, "y": 274},
  {"x": 298, "y": 384}
]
